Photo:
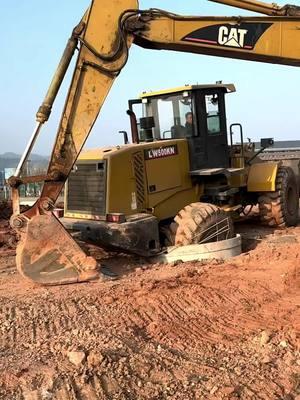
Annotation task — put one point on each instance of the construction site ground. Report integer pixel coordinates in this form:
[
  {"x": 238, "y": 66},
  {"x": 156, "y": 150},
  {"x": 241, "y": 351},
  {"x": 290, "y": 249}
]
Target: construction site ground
[{"x": 182, "y": 331}]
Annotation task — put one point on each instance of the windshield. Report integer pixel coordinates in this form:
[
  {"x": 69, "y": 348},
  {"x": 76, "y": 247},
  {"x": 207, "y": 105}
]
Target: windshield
[{"x": 173, "y": 116}]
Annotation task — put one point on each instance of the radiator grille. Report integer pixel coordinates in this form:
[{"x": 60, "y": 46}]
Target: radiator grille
[
  {"x": 86, "y": 189},
  {"x": 139, "y": 174}
]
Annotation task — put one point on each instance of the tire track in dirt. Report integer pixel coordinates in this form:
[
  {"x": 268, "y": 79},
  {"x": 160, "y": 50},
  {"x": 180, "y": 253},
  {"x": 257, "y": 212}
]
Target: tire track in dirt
[
  {"x": 188, "y": 315},
  {"x": 192, "y": 315},
  {"x": 182, "y": 332}
]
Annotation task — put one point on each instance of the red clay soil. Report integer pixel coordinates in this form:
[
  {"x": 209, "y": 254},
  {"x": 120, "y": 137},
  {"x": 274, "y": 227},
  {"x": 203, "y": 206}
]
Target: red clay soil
[{"x": 186, "y": 331}]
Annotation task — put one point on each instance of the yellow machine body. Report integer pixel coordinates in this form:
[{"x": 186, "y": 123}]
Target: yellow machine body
[
  {"x": 133, "y": 184},
  {"x": 147, "y": 177}
]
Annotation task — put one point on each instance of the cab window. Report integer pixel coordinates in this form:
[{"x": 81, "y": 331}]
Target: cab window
[
  {"x": 173, "y": 115},
  {"x": 213, "y": 114}
]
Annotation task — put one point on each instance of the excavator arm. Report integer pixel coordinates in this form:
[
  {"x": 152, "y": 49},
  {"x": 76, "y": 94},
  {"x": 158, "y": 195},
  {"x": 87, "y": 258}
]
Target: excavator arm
[{"x": 47, "y": 254}]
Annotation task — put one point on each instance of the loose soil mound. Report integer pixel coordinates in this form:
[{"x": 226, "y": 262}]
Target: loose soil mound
[{"x": 185, "y": 331}]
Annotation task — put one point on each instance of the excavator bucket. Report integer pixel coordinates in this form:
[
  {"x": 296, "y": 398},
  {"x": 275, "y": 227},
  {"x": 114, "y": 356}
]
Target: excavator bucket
[{"x": 48, "y": 255}]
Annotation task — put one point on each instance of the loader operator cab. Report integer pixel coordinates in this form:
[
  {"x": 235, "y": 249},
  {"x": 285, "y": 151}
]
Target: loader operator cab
[{"x": 195, "y": 113}]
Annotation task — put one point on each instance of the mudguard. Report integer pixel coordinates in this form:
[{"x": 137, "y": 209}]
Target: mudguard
[{"x": 262, "y": 177}]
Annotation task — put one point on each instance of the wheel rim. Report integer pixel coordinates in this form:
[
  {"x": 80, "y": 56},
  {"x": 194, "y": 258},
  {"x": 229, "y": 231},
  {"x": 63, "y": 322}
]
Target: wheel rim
[{"x": 218, "y": 231}]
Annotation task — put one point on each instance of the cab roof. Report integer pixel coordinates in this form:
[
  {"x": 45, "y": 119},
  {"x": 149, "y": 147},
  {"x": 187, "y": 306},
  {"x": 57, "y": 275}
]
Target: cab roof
[{"x": 229, "y": 88}]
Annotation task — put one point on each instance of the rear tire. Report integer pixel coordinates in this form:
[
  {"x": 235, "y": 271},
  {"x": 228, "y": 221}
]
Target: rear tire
[
  {"x": 280, "y": 208},
  {"x": 200, "y": 223}
]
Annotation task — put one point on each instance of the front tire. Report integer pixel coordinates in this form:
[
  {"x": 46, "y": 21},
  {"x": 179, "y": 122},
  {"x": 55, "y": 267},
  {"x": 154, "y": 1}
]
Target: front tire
[{"x": 200, "y": 223}]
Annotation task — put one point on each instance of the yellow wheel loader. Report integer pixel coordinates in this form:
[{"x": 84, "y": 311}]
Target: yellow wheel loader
[{"x": 178, "y": 181}]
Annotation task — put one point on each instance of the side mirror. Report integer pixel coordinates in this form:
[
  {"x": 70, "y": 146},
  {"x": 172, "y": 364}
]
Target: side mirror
[{"x": 266, "y": 142}]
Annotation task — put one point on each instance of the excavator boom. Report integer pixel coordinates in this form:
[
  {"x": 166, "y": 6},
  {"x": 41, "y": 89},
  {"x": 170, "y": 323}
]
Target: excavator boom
[
  {"x": 265, "y": 39},
  {"x": 47, "y": 254}
]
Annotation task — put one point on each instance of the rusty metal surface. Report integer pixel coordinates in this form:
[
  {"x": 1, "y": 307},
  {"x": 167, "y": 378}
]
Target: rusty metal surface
[
  {"x": 14, "y": 181},
  {"x": 48, "y": 255},
  {"x": 133, "y": 124},
  {"x": 15, "y": 201}
]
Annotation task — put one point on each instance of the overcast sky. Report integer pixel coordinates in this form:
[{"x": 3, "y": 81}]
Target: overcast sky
[{"x": 34, "y": 34}]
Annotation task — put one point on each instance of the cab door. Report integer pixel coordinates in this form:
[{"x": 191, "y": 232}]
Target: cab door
[
  {"x": 211, "y": 130},
  {"x": 212, "y": 127}
]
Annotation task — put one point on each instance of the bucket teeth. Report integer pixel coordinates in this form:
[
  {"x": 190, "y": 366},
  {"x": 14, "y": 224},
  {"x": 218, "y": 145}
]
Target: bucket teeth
[{"x": 48, "y": 255}]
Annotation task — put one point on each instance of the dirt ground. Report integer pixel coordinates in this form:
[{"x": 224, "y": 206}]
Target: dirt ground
[{"x": 185, "y": 331}]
